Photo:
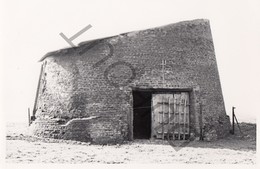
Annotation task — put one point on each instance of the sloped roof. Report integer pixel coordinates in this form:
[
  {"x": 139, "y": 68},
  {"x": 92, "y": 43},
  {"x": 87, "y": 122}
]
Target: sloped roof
[{"x": 169, "y": 26}]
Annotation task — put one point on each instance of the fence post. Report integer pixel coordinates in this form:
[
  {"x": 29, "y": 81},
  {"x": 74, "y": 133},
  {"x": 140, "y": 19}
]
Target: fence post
[
  {"x": 238, "y": 124},
  {"x": 233, "y": 120},
  {"x": 29, "y": 117}
]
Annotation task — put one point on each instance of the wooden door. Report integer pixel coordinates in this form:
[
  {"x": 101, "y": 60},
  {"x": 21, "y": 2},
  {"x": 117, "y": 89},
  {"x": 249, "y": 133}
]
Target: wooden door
[
  {"x": 162, "y": 113},
  {"x": 170, "y": 116}
]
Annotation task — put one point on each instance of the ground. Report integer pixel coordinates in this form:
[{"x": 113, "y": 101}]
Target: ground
[{"x": 235, "y": 149}]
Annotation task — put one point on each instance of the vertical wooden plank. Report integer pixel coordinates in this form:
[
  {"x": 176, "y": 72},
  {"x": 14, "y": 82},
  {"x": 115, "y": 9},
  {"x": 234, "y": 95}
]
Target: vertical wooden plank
[
  {"x": 156, "y": 116},
  {"x": 159, "y": 131},
  {"x": 174, "y": 117},
  {"x": 184, "y": 120},
  {"x": 157, "y": 109},
  {"x": 169, "y": 117},
  {"x": 188, "y": 112},
  {"x": 179, "y": 113},
  {"x": 153, "y": 117},
  {"x": 163, "y": 117}
]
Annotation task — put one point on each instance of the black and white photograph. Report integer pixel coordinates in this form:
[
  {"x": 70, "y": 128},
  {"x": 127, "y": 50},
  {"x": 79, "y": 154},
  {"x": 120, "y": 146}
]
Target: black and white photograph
[{"x": 129, "y": 82}]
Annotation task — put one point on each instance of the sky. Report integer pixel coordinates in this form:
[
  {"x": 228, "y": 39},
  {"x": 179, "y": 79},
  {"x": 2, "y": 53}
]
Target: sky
[{"x": 30, "y": 28}]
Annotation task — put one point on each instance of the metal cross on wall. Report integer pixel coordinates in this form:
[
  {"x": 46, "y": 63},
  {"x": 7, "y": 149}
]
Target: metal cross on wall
[{"x": 163, "y": 67}]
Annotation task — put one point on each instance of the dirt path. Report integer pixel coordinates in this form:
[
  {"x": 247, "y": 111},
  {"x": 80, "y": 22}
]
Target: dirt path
[{"x": 24, "y": 149}]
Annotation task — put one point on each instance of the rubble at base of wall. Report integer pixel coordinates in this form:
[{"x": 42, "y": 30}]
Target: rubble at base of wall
[
  {"x": 84, "y": 129},
  {"x": 211, "y": 135},
  {"x": 216, "y": 128}
]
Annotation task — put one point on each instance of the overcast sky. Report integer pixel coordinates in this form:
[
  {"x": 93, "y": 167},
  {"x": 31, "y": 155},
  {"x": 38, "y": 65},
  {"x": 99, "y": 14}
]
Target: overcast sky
[{"x": 30, "y": 29}]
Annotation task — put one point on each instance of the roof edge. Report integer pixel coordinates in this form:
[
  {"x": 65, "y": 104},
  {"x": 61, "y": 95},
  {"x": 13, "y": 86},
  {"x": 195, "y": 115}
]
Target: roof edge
[{"x": 64, "y": 50}]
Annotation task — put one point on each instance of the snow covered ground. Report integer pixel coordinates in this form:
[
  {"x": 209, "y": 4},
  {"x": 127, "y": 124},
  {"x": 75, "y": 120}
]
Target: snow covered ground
[{"x": 21, "y": 148}]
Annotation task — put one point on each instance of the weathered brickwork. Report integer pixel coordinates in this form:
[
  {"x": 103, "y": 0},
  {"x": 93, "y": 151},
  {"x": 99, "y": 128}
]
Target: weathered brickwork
[{"x": 73, "y": 85}]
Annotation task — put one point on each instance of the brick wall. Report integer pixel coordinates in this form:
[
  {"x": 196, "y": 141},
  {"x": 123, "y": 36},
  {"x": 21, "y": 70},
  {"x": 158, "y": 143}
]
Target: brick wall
[{"x": 73, "y": 85}]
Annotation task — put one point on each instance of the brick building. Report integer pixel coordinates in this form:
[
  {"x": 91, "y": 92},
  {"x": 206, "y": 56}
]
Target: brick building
[{"x": 160, "y": 83}]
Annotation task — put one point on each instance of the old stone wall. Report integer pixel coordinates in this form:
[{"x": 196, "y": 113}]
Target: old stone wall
[{"x": 97, "y": 78}]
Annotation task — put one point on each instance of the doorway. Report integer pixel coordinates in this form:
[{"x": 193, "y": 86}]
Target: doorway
[
  {"x": 161, "y": 114},
  {"x": 142, "y": 114}
]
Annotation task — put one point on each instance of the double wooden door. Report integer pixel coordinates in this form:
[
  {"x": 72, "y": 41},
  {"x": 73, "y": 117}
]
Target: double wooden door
[{"x": 170, "y": 116}]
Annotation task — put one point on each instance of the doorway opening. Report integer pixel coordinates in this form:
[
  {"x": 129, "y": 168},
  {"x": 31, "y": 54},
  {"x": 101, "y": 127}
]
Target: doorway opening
[
  {"x": 161, "y": 114},
  {"x": 142, "y": 114}
]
